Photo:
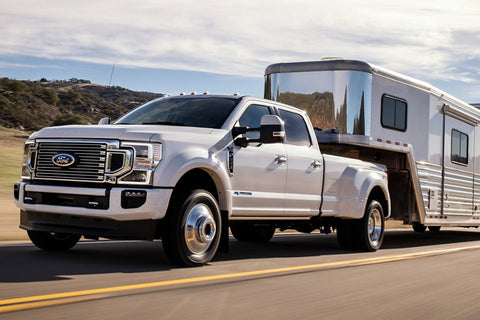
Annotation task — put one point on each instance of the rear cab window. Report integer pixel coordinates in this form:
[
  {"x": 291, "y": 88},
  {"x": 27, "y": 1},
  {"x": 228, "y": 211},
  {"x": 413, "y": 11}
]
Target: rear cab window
[{"x": 296, "y": 129}]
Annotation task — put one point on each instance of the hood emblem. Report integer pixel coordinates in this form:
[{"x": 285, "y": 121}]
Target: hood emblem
[{"x": 63, "y": 160}]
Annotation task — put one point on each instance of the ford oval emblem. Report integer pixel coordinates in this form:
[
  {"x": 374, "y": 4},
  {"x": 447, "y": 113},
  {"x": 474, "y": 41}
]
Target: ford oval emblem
[{"x": 63, "y": 160}]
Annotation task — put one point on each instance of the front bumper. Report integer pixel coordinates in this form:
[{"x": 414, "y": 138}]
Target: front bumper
[
  {"x": 92, "y": 211},
  {"x": 90, "y": 228}
]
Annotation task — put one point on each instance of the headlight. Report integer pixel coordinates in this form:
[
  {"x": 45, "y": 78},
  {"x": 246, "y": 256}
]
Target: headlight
[
  {"x": 28, "y": 164},
  {"x": 147, "y": 156}
]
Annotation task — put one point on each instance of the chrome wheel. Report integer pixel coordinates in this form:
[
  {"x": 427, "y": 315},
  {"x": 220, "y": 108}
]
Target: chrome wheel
[
  {"x": 200, "y": 228},
  {"x": 192, "y": 229},
  {"x": 364, "y": 234},
  {"x": 375, "y": 226}
]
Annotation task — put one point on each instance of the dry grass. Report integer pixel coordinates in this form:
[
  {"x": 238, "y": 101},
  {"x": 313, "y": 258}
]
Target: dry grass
[{"x": 11, "y": 153}]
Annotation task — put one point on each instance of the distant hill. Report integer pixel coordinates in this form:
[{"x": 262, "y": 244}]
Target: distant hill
[{"x": 32, "y": 105}]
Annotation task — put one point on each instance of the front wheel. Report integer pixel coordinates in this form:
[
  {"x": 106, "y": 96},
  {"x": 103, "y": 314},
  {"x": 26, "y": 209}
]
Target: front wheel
[
  {"x": 53, "y": 241},
  {"x": 368, "y": 232},
  {"x": 192, "y": 230}
]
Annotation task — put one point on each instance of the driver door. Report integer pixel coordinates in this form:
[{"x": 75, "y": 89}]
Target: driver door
[{"x": 259, "y": 171}]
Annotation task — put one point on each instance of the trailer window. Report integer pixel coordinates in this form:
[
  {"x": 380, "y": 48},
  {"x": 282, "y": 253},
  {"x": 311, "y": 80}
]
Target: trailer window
[
  {"x": 394, "y": 113},
  {"x": 459, "y": 147}
]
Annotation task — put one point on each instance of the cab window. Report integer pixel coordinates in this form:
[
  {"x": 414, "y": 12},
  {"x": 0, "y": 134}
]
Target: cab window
[
  {"x": 252, "y": 118},
  {"x": 296, "y": 130}
]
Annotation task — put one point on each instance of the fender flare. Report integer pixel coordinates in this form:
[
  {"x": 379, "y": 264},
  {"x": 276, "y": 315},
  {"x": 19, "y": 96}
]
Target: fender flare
[
  {"x": 170, "y": 173},
  {"x": 371, "y": 183},
  {"x": 375, "y": 187}
]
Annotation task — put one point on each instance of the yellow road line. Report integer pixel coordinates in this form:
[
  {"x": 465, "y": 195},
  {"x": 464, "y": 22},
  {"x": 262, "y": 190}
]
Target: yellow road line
[
  {"x": 48, "y": 303},
  {"x": 32, "y": 302}
]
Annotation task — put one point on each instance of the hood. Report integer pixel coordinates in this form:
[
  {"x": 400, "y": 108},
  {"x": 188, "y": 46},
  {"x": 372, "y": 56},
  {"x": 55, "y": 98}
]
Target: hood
[{"x": 149, "y": 133}]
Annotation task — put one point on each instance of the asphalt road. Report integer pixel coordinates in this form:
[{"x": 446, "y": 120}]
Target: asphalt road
[{"x": 295, "y": 276}]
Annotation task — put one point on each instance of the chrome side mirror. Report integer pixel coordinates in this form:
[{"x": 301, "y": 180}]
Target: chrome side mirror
[
  {"x": 272, "y": 129},
  {"x": 105, "y": 120}
]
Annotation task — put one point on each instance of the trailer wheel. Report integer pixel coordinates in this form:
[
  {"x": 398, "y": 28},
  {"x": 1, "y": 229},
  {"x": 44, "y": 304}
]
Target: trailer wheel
[
  {"x": 368, "y": 232},
  {"x": 418, "y": 227},
  {"x": 53, "y": 241},
  {"x": 434, "y": 228},
  {"x": 192, "y": 230},
  {"x": 244, "y": 231}
]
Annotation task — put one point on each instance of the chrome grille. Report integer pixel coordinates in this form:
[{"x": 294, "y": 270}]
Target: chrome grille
[{"x": 89, "y": 164}]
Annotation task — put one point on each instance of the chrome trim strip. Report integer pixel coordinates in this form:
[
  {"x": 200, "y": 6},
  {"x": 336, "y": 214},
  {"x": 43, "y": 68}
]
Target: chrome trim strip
[
  {"x": 269, "y": 218},
  {"x": 111, "y": 144},
  {"x": 66, "y": 190}
]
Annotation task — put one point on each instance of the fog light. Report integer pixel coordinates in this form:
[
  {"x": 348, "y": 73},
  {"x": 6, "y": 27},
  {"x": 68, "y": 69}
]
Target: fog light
[
  {"x": 133, "y": 198},
  {"x": 135, "y": 194}
]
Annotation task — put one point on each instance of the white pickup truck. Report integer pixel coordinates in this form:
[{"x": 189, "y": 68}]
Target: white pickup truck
[{"x": 185, "y": 168}]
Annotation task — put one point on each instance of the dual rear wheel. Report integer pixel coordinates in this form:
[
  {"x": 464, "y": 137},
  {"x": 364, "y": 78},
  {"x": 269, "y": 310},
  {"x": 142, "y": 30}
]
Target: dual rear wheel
[{"x": 365, "y": 234}]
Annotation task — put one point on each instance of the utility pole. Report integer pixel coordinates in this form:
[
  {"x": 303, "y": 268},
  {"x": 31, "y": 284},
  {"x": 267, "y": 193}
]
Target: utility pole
[{"x": 111, "y": 75}]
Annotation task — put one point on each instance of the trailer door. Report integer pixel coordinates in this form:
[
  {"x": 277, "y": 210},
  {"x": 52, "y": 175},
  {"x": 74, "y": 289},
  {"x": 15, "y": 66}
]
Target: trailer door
[{"x": 458, "y": 175}]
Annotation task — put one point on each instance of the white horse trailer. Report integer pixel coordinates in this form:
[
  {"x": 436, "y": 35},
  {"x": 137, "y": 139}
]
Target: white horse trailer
[{"x": 429, "y": 140}]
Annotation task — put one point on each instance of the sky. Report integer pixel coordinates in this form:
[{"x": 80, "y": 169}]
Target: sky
[{"x": 224, "y": 46}]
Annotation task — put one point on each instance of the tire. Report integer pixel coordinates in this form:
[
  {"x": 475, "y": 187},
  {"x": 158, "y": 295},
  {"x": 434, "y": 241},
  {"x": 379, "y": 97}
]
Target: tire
[
  {"x": 53, "y": 241},
  {"x": 192, "y": 229},
  {"x": 249, "y": 232},
  {"x": 368, "y": 232},
  {"x": 418, "y": 227},
  {"x": 434, "y": 228},
  {"x": 344, "y": 234}
]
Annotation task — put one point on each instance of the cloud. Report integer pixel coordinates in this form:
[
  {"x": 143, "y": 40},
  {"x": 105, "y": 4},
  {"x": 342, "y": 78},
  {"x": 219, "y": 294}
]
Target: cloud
[{"x": 412, "y": 37}]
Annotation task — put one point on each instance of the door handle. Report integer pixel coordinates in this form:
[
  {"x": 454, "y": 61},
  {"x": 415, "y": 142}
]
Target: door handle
[
  {"x": 316, "y": 164},
  {"x": 280, "y": 159}
]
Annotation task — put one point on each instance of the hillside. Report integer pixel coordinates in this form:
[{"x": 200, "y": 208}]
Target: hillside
[{"x": 32, "y": 105}]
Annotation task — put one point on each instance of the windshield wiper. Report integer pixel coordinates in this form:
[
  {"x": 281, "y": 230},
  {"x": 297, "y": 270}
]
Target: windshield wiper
[{"x": 166, "y": 123}]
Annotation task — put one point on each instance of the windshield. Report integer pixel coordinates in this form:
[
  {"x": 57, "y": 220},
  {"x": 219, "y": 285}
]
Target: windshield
[{"x": 193, "y": 112}]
